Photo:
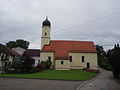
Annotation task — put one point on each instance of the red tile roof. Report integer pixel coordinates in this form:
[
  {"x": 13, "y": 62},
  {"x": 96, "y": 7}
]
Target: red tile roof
[
  {"x": 62, "y": 48},
  {"x": 4, "y": 49}
]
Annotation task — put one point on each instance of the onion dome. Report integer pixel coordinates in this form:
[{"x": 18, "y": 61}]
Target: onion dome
[{"x": 46, "y": 23}]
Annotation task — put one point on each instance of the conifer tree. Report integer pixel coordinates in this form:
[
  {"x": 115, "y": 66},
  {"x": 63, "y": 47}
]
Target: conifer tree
[{"x": 114, "y": 59}]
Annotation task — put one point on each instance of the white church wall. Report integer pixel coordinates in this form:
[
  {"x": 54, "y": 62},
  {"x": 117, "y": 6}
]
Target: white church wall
[
  {"x": 62, "y": 65},
  {"x": 44, "y": 56},
  {"x": 88, "y": 58}
]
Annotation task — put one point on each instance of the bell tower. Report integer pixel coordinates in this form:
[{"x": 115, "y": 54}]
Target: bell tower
[{"x": 46, "y": 26}]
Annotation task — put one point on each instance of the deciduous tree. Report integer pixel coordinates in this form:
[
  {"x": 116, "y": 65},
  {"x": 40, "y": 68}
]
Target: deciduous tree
[{"x": 18, "y": 43}]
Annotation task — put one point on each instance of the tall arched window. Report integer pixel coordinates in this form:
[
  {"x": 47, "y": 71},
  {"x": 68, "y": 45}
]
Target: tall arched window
[
  {"x": 83, "y": 59},
  {"x": 70, "y": 58},
  {"x": 45, "y": 33},
  {"x": 62, "y": 62},
  {"x": 49, "y": 58}
]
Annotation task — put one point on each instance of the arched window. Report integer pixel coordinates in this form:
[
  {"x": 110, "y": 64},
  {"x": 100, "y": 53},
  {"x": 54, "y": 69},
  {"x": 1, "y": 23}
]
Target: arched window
[
  {"x": 45, "y": 33},
  {"x": 83, "y": 59},
  {"x": 88, "y": 65},
  {"x": 49, "y": 58},
  {"x": 62, "y": 62},
  {"x": 70, "y": 58}
]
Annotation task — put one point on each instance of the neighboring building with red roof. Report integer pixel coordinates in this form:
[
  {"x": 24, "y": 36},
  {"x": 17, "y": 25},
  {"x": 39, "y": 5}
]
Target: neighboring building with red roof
[
  {"x": 33, "y": 54},
  {"x": 67, "y": 55}
]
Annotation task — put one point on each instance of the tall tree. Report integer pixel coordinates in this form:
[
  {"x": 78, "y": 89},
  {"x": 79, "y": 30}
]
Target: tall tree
[
  {"x": 18, "y": 43},
  {"x": 101, "y": 54},
  {"x": 27, "y": 63},
  {"x": 114, "y": 58}
]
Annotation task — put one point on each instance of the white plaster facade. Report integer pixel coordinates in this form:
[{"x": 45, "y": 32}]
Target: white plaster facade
[
  {"x": 37, "y": 60},
  {"x": 4, "y": 58},
  {"x": 44, "y": 56},
  {"x": 76, "y": 63},
  {"x": 45, "y": 39}
]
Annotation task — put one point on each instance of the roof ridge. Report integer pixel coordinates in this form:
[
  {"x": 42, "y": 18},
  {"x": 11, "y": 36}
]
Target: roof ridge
[
  {"x": 32, "y": 49},
  {"x": 69, "y": 41},
  {"x": 7, "y": 50},
  {"x": 61, "y": 48}
]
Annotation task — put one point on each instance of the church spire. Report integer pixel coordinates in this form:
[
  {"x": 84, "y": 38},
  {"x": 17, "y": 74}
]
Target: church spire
[{"x": 46, "y": 22}]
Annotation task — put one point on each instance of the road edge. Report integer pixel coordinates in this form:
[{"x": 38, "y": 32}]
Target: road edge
[{"x": 78, "y": 88}]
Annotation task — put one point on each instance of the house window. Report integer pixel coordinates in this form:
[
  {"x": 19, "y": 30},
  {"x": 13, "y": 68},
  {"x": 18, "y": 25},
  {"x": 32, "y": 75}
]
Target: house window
[
  {"x": 33, "y": 60},
  {"x": 70, "y": 58},
  {"x": 49, "y": 58},
  {"x": 62, "y": 62},
  {"x": 45, "y": 33},
  {"x": 38, "y": 61},
  {"x": 83, "y": 59}
]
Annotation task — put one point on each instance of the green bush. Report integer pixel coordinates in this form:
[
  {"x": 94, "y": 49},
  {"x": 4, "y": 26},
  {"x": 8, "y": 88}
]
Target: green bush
[
  {"x": 40, "y": 67},
  {"x": 13, "y": 67},
  {"x": 17, "y": 66},
  {"x": 47, "y": 64},
  {"x": 7, "y": 67}
]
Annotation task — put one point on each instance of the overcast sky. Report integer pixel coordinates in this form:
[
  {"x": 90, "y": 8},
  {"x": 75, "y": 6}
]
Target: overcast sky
[{"x": 83, "y": 20}]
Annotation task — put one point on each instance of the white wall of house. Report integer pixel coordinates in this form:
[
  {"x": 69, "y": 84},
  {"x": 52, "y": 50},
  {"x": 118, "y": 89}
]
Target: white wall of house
[
  {"x": 11, "y": 58},
  {"x": 3, "y": 56},
  {"x": 37, "y": 60},
  {"x": 1, "y": 64}
]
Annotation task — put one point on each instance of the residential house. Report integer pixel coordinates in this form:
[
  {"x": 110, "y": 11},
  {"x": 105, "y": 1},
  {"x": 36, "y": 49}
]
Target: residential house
[
  {"x": 7, "y": 54},
  {"x": 33, "y": 54}
]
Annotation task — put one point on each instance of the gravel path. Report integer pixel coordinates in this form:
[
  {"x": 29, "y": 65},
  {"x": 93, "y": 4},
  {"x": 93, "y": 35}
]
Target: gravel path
[{"x": 104, "y": 81}]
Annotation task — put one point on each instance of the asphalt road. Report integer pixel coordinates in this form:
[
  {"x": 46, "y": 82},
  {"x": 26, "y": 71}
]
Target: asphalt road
[
  {"x": 104, "y": 81},
  {"x": 37, "y": 84}
]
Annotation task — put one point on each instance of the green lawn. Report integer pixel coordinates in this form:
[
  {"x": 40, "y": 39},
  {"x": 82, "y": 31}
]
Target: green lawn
[{"x": 56, "y": 74}]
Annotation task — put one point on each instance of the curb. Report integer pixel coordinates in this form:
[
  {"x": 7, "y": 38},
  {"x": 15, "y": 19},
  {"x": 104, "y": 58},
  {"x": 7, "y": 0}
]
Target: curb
[
  {"x": 39, "y": 78},
  {"x": 81, "y": 85},
  {"x": 78, "y": 88}
]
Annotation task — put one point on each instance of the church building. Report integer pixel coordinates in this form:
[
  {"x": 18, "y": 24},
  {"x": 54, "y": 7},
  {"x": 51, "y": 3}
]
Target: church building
[{"x": 65, "y": 54}]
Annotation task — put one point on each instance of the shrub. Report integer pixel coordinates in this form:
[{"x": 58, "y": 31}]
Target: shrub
[
  {"x": 17, "y": 66},
  {"x": 91, "y": 70},
  {"x": 40, "y": 67},
  {"x": 27, "y": 63},
  {"x": 7, "y": 67},
  {"x": 13, "y": 67},
  {"x": 34, "y": 69},
  {"x": 47, "y": 64}
]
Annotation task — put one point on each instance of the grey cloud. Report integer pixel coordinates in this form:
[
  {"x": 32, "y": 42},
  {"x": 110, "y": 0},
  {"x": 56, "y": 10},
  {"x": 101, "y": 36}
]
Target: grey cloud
[{"x": 23, "y": 18}]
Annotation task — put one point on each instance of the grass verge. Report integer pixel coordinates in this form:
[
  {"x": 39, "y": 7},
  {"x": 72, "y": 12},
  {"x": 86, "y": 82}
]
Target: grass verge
[{"x": 56, "y": 74}]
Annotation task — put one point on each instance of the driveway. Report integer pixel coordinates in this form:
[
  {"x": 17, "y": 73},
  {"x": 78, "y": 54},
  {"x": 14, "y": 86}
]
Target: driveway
[
  {"x": 37, "y": 84},
  {"x": 104, "y": 81}
]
